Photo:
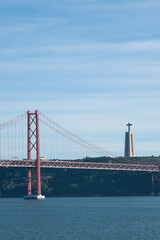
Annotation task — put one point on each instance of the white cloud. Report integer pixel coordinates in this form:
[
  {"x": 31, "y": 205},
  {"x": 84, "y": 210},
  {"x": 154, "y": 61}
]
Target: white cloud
[
  {"x": 132, "y": 46},
  {"x": 99, "y": 73},
  {"x": 125, "y": 5},
  {"x": 37, "y": 23},
  {"x": 149, "y": 46},
  {"x": 21, "y": 27}
]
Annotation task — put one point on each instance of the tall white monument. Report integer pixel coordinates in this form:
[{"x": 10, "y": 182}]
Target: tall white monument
[{"x": 129, "y": 142}]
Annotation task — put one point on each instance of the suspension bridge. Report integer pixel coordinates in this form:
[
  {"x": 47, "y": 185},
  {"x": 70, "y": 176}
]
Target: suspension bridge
[{"x": 22, "y": 138}]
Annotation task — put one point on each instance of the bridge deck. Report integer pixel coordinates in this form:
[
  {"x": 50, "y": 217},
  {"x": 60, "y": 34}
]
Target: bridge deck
[{"x": 80, "y": 165}]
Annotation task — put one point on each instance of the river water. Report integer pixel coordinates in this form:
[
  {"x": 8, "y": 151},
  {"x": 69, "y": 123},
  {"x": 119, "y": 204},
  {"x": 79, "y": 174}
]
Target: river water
[{"x": 95, "y": 218}]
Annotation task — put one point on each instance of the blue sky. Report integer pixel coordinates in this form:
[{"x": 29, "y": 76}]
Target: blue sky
[{"x": 92, "y": 66}]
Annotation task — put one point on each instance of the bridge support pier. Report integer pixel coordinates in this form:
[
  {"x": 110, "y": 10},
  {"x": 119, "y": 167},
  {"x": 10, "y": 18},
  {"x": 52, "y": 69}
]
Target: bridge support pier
[
  {"x": 155, "y": 184},
  {"x": 29, "y": 182}
]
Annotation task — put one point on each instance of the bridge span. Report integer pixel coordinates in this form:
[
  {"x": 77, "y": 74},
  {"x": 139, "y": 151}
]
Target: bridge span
[
  {"x": 21, "y": 137},
  {"x": 80, "y": 165}
]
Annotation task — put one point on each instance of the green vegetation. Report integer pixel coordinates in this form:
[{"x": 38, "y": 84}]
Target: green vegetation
[
  {"x": 140, "y": 160},
  {"x": 72, "y": 182}
]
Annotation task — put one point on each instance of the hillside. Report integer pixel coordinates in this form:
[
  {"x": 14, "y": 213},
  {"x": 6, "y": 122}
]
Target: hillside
[{"x": 71, "y": 182}]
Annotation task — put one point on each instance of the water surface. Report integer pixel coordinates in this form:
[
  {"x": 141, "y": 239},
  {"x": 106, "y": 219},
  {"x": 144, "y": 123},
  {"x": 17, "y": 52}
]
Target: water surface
[{"x": 98, "y": 218}]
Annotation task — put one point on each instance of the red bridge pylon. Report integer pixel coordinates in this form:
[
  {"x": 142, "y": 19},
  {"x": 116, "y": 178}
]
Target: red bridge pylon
[{"x": 34, "y": 145}]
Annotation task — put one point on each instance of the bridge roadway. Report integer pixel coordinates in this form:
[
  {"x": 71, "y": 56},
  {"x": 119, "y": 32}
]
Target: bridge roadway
[{"x": 80, "y": 165}]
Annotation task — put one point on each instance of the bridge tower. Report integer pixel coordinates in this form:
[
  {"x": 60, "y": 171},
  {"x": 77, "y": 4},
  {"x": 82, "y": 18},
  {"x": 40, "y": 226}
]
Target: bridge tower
[
  {"x": 34, "y": 145},
  {"x": 129, "y": 142}
]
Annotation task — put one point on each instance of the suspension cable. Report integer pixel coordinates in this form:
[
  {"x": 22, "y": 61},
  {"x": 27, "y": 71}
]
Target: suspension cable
[
  {"x": 74, "y": 138},
  {"x": 13, "y": 121}
]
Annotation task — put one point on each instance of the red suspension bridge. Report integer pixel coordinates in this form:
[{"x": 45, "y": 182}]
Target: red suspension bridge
[{"x": 58, "y": 145}]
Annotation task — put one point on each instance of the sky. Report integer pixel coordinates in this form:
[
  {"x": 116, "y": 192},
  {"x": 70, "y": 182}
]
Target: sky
[{"x": 90, "y": 65}]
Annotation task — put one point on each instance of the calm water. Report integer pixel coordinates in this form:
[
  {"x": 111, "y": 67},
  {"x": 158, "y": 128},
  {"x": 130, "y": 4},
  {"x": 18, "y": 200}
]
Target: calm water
[{"x": 81, "y": 218}]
